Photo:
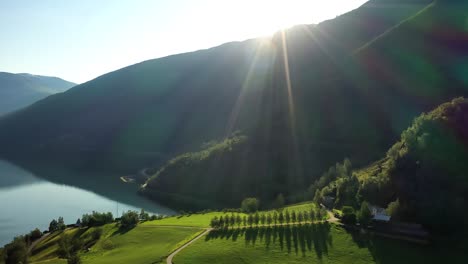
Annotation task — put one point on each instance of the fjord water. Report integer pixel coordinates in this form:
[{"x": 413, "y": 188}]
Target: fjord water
[{"x": 27, "y": 201}]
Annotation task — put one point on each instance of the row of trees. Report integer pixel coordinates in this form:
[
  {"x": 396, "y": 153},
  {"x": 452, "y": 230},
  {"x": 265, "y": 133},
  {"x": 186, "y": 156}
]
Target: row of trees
[{"x": 266, "y": 218}]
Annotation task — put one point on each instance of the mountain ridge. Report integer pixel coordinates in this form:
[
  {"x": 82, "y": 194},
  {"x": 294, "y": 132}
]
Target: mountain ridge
[{"x": 22, "y": 89}]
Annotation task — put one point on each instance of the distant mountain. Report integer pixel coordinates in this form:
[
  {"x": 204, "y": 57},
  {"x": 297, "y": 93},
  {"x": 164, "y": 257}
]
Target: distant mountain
[
  {"x": 22, "y": 89},
  {"x": 306, "y": 98}
]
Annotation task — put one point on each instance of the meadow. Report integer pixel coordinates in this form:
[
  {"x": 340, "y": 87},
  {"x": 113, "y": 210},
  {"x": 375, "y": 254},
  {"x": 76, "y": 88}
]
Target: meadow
[
  {"x": 316, "y": 243},
  {"x": 142, "y": 244}
]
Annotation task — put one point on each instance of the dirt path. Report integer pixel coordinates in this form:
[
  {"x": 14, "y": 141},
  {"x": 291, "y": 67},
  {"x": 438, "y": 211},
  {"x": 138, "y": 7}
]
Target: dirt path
[
  {"x": 169, "y": 259},
  {"x": 332, "y": 218},
  {"x": 33, "y": 244}
]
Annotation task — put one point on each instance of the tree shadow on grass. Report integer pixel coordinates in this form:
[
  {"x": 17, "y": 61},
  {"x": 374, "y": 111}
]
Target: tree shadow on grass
[
  {"x": 122, "y": 231},
  {"x": 299, "y": 239}
]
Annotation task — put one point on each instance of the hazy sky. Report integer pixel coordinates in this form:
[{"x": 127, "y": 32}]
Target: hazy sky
[{"x": 80, "y": 40}]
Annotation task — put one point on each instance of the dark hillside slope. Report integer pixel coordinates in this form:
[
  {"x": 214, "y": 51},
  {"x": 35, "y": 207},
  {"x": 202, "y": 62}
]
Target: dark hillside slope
[
  {"x": 20, "y": 90},
  {"x": 356, "y": 28},
  {"x": 352, "y": 110},
  {"x": 141, "y": 113},
  {"x": 146, "y": 113},
  {"x": 415, "y": 65},
  {"x": 426, "y": 170}
]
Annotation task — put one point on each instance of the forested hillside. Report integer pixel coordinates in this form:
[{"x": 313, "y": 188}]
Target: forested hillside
[
  {"x": 306, "y": 98},
  {"x": 423, "y": 177}
]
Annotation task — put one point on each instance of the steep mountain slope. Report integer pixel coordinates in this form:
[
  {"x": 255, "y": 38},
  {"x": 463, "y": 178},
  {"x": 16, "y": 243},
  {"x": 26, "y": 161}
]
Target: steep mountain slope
[
  {"x": 416, "y": 64},
  {"x": 303, "y": 102},
  {"x": 156, "y": 108},
  {"x": 20, "y": 90}
]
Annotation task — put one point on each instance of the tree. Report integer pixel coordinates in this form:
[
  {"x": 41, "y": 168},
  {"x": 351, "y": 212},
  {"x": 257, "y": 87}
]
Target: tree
[
  {"x": 293, "y": 217},
  {"x": 256, "y": 218},
  {"x": 281, "y": 218},
  {"x": 244, "y": 220},
  {"x": 250, "y": 220},
  {"x": 349, "y": 216},
  {"x": 16, "y": 251},
  {"x": 319, "y": 215},
  {"x": 61, "y": 224},
  {"x": 239, "y": 221},
  {"x": 312, "y": 214},
  {"x": 221, "y": 221},
  {"x": 53, "y": 226},
  {"x": 35, "y": 234},
  {"x": 269, "y": 219},
  {"x": 68, "y": 246},
  {"x": 214, "y": 222},
  {"x": 144, "y": 215},
  {"x": 364, "y": 215},
  {"x": 279, "y": 201},
  {"x": 129, "y": 220},
  {"x": 232, "y": 220},
  {"x": 262, "y": 219},
  {"x": 287, "y": 217},
  {"x": 300, "y": 217},
  {"x": 250, "y": 205},
  {"x": 275, "y": 217},
  {"x": 305, "y": 216},
  {"x": 78, "y": 222}
]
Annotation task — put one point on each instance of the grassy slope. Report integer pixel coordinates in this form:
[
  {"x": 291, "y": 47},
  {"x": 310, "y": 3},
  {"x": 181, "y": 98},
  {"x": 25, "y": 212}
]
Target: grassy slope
[
  {"x": 139, "y": 245},
  {"x": 333, "y": 246},
  {"x": 149, "y": 240},
  {"x": 195, "y": 220},
  {"x": 47, "y": 249},
  {"x": 143, "y": 244}
]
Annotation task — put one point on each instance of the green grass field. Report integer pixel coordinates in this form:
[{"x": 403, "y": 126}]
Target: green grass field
[
  {"x": 194, "y": 220},
  {"x": 142, "y": 244},
  {"x": 320, "y": 243}
]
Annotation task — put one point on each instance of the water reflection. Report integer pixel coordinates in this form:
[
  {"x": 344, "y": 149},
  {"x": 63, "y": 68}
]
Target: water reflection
[{"x": 27, "y": 201}]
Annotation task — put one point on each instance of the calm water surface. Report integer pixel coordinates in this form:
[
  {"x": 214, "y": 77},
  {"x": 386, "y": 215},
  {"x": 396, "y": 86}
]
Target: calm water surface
[{"x": 27, "y": 201}]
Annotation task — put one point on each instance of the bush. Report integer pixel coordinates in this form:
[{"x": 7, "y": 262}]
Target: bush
[
  {"x": 74, "y": 259},
  {"x": 250, "y": 205},
  {"x": 129, "y": 220},
  {"x": 393, "y": 208},
  {"x": 96, "y": 234},
  {"x": 108, "y": 245}
]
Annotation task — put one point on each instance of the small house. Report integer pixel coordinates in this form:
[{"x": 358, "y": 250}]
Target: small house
[
  {"x": 328, "y": 201},
  {"x": 379, "y": 214}
]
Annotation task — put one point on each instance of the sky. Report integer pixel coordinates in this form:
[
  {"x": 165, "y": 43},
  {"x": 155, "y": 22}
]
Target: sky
[{"x": 81, "y": 40}]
